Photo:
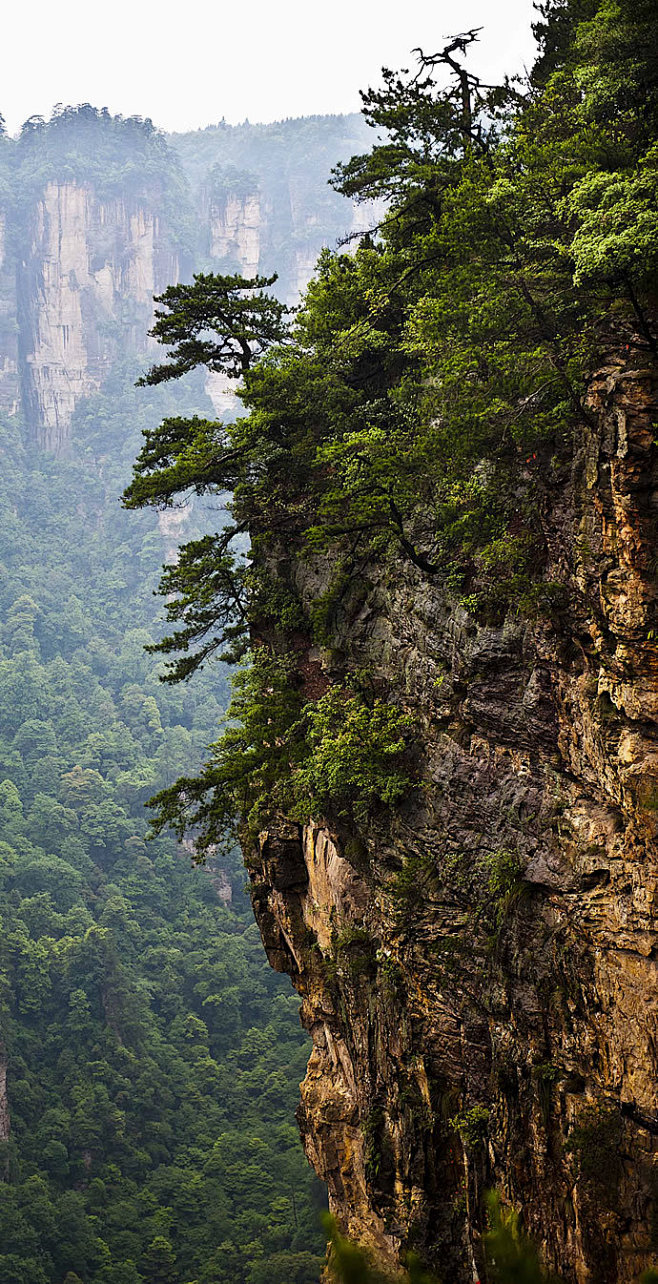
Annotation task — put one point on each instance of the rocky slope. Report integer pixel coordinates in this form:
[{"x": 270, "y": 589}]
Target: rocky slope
[{"x": 478, "y": 972}]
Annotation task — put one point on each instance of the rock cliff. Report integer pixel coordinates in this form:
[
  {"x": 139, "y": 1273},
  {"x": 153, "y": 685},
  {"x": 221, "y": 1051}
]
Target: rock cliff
[
  {"x": 236, "y": 228},
  {"x": 85, "y": 294},
  {"x": 8, "y": 328},
  {"x": 103, "y": 215},
  {"x": 478, "y": 973}
]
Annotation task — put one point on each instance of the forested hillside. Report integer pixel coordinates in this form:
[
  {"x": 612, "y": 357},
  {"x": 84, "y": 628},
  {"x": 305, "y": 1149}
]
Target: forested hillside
[
  {"x": 149, "y": 1059},
  {"x": 437, "y": 575},
  {"x": 153, "y": 1057}
]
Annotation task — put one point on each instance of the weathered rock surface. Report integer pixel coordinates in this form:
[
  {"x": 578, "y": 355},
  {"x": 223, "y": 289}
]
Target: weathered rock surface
[
  {"x": 479, "y": 971},
  {"x": 85, "y": 293},
  {"x": 9, "y": 394},
  {"x": 236, "y": 226}
]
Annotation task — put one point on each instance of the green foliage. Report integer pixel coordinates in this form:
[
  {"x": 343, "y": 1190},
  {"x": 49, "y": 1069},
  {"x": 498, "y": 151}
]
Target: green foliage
[
  {"x": 349, "y": 1263},
  {"x": 279, "y": 753},
  {"x": 472, "y": 1126},
  {"x": 225, "y": 181},
  {"x": 267, "y": 162},
  {"x": 408, "y": 889},
  {"x": 594, "y": 1144},
  {"x": 119, "y": 156},
  {"x": 511, "y": 1256},
  {"x": 617, "y": 237},
  {"x": 355, "y": 752},
  {"x": 505, "y": 882},
  {"x": 410, "y": 415},
  {"x": 354, "y": 952},
  {"x": 236, "y": 309},
  {"x": 153, "y": 1056}
]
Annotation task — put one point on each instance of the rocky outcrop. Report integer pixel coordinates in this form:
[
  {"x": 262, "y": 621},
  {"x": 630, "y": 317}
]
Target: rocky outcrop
[
  {"x": 236, "y": 225},
  {"x": 172, "y": 523},
  {"x": 9, "y": 392},
  {"x": 85, "y": 292},
  {"x": 82, "y": 257},
  {"x": 478, "y": 971},
  {"x": 282, "y": 231}
]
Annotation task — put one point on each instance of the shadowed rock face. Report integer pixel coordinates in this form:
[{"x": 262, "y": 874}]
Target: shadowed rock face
[{"x": 478, "y": 972}]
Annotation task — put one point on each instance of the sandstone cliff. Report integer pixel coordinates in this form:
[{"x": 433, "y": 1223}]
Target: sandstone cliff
[
  {"x": 253, "y": 231},
  {"x": 478, "y": 973},
  {"x": 103, "y": 216},
  {"x": 85, "y": 291},
  {"x": 236, "y": 229},
  {"x": 8, "y": 328}
]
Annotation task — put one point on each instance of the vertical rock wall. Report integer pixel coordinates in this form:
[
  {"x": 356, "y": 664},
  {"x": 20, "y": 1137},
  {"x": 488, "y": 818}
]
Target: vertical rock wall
[
  {"x": 262, "y": 232},
  {"x": 9, "y": 387},
  {"x": 85, "y": 291},
  {"x": 236, "y": 229},
  {"x": 479, "y": 971},
  {"x": 78, "y": 294}
]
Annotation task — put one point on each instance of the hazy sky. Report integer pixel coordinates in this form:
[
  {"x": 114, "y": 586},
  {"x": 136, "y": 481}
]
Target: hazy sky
[{"x": 190, "y": 63}]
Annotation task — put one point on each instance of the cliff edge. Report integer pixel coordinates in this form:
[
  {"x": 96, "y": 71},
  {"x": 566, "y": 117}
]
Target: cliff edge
[
  {"x": 479, "y": 975},
  {"x": 441, "y": 757}
]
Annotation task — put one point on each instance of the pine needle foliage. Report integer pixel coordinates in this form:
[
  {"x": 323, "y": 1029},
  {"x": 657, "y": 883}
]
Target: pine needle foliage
[{"x": 413, "y": 411}]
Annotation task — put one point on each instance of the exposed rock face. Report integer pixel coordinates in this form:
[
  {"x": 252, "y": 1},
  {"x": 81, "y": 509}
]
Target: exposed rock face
[
  {"x": 253, "y": 232},
  {"x": 235, "y": 231},
  {"x": 479, "y": 971},
  {"x": 8, "y": 347},
  {"x": 171, "y": 524},
  {"x": 81, "y": 258},
  {"x": 85, "y": 294},
  {"x": 245, "y": 234}
]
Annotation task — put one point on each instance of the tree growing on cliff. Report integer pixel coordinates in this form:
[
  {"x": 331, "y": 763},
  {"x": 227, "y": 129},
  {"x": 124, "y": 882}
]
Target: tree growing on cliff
[
  {"x": 222, "y": 322},
  {"x": 431, "y": 380}
]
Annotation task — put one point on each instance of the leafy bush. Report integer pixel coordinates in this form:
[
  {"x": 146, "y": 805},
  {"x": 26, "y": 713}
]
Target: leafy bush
[{"x": 336, "y": 755}]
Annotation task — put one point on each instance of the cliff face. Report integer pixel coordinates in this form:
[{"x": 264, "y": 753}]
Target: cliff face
[
  {"x": 85, "y": 291},
  {"x": 478, "y": 973},
  {"x": 8, "y": 344},
  {"x": 236, "y": 228},
  {"x": 81, "y": 257},
  {"x": 252, "y": 232}
]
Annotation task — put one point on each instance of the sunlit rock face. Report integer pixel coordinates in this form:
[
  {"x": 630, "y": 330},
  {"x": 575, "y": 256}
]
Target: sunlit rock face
[
  {"x": 85, "y": 293},
  {"x": 478, "y": 970}
]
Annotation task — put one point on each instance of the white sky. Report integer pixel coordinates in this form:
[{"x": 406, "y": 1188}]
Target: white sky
[{"x": 187, "y": 64}]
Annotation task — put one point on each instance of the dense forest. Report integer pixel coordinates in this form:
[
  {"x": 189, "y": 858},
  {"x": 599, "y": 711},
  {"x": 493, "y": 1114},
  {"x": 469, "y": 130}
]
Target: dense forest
[
  {"x": 150, "y": 1060},
  {"x": 407, "y": 437},
  {"x": 153, "y": 1056}
]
